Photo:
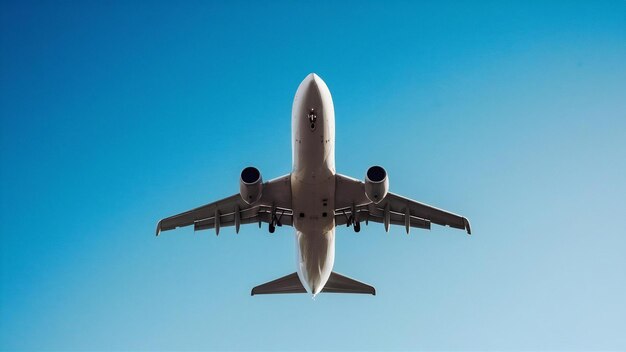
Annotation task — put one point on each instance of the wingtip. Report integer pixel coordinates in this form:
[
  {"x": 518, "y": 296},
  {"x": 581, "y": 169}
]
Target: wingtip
[
  {"x": 467, "y": 226},
  {"x": 158, "y": 229}
]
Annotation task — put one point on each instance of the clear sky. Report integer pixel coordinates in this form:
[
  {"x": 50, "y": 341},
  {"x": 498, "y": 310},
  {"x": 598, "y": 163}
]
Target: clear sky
[{"x": 115, "y": 114}]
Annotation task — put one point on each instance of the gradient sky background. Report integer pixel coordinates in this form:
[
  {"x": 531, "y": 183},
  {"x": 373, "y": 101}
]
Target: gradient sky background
[{"x": 116, "y": 114}]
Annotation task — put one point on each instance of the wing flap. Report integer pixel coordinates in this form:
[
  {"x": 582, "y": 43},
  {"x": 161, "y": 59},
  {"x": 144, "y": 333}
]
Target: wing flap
[
  {"x": 377, "y": 215},
  {"x": 262, "y": 215},
  {"x": 395, "y": 219}
]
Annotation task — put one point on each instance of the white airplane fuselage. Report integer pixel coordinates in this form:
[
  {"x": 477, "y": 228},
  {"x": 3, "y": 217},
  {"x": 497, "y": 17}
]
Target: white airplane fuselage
[{"x": 313, "y": 182}]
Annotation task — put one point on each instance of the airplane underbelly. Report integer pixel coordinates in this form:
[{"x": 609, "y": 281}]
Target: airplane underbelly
[
  {"x": 313, "y": 182},
  {"x": 314, "y": 220}
]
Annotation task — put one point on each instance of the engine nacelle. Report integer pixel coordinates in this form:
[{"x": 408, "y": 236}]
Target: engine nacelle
[
  {"x": 376, "y": 184},
  {"x": 250, "y": 185}
]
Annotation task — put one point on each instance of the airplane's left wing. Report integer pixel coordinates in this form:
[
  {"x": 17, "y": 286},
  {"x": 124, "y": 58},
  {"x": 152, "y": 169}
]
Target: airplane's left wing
[
  {"x": 273, "y": 207},
  {"x": 412, "y": 213},
  {"x": 353, "y": 206}
]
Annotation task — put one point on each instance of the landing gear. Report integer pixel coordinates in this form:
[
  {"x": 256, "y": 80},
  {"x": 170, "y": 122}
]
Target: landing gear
[
  {"x": 275, "y": 221},
  {"x": 352, "y": 220}
]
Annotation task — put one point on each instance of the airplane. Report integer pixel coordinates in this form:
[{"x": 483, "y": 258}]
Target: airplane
[{"x": 314, "y": 199}]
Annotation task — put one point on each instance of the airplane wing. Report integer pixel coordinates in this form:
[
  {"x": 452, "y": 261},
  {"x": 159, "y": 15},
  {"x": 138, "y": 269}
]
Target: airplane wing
[
  {"x": 352, "y": 206},
  {"x": 274, "y": 206}
]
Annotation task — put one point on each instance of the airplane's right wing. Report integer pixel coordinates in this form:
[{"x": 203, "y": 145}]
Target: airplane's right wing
[{"x": 273, "y": 207}]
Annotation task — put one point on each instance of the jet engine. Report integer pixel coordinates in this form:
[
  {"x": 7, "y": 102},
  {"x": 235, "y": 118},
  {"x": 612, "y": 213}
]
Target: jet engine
[
  {"x": 250, "y": 185},
  {"x": 376, "y": 184}
]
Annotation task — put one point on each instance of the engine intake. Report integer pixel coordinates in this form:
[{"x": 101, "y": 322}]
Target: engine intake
[
  {"x": 250, "y": 185},
  {"x": 376, "y": 184}
]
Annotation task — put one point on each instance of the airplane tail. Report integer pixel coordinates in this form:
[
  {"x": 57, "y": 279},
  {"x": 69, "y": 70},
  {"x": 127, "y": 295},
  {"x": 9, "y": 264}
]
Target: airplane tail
[
  {"x": 286, "y": 284},
  {"x": 337, "y": 283}
]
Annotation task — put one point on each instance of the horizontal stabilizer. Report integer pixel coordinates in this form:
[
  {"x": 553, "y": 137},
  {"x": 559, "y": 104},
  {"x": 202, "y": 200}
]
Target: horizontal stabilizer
[
  {"x": 291, "y": 283},
  {"x": 338, "y": 283},
  {"x": 286, "y": 284}
]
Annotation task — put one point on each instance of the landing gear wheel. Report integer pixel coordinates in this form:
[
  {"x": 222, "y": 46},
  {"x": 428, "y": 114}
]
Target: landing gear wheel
[
  {"x": 357, "y": 227},
  {"x": 272, "y": 228}
]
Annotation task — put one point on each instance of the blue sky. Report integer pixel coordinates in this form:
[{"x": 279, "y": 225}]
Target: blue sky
[{"x": 116, "y": 114}]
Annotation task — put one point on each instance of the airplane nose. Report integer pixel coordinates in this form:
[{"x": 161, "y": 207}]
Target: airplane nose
[
  {"x": 313, "y": 82},
  {"x": 310, "y": 87}
]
